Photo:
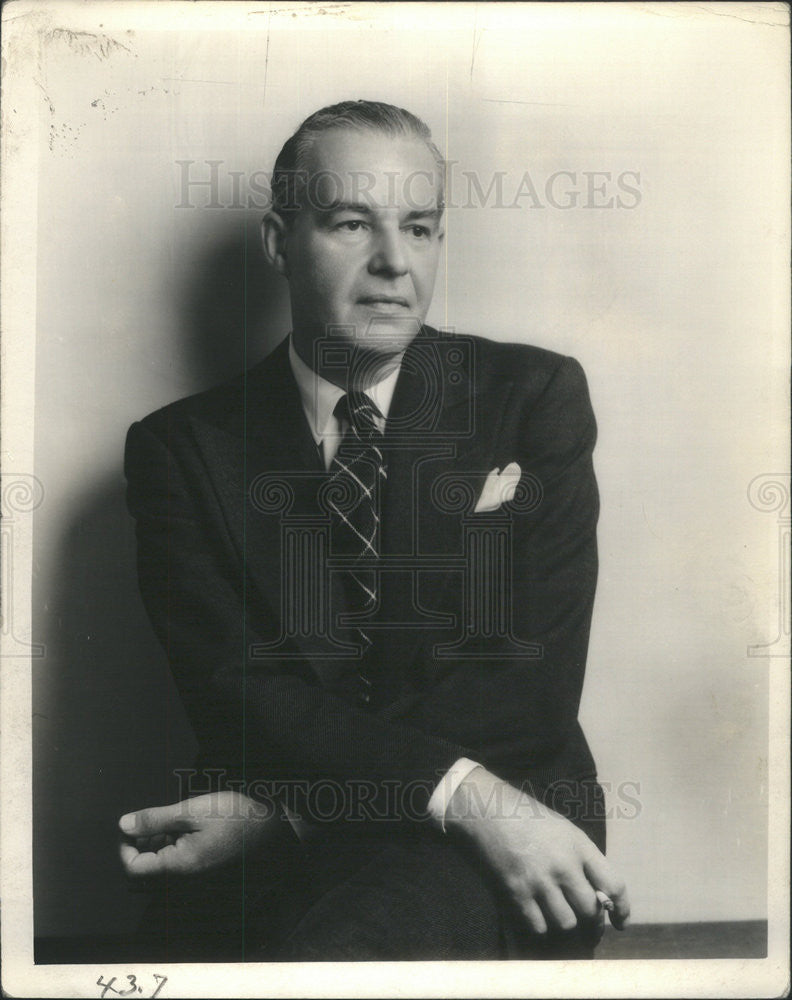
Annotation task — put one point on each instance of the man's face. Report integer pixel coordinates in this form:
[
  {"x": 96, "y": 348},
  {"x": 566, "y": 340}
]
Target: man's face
[{"x": 363, "y": 249}]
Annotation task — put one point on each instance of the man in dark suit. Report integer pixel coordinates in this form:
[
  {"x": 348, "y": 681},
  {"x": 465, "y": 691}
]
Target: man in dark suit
[{"x": 371, "y": 561}]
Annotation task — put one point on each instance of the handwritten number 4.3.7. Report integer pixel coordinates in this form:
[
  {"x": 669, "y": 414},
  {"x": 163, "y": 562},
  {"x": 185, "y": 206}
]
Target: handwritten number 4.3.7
[{"x": 132, "y": 989}]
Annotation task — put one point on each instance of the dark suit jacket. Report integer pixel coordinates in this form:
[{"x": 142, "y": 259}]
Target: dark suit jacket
[{"x": 224, "y": 485}]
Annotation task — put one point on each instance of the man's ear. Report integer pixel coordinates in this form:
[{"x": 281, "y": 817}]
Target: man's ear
[{"x": 273, "y": 239}]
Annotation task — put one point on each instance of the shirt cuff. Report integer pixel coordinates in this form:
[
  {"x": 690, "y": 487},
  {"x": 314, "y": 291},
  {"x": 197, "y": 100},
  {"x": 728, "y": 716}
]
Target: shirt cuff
[{"x": 448, "y": 784}]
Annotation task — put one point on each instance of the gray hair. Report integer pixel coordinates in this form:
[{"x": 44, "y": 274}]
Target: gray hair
[{"x": 290, "y": 174}]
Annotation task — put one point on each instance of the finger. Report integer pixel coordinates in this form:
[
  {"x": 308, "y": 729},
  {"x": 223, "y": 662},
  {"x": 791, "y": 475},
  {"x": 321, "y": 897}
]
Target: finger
[
  {"x": 175, "y": 859},
  {"x": 602, "y": 877},
  {"x": 620, "y": 914},
  {"x": 145, "y": 865},
  {"x": 557, "y": 910},
  {"x": 534, "y": 917},
  {"x": 158, "y": 841},
  {"x": 127, "y": 853},
  {"x": 132, "y": 863},
  {"x": 174, "y": 818},
  {"x": 581, "y": 897},
  {"x": 171, "y": 859}
]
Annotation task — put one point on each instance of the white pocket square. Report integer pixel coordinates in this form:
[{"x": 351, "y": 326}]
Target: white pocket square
[{"x": 499, "y": 488}]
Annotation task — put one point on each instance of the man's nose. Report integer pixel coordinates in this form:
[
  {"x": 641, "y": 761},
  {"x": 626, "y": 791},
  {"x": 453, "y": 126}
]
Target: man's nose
[{"x": 387, "y": 254}]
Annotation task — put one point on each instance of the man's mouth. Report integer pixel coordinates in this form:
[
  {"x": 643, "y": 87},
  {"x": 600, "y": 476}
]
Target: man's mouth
[{"x": 384, "y": 302}]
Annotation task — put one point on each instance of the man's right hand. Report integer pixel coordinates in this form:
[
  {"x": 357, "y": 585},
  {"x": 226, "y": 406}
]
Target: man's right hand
[
  {"x": 204, "y": 834},
  {"x": 549, "y": 867}
]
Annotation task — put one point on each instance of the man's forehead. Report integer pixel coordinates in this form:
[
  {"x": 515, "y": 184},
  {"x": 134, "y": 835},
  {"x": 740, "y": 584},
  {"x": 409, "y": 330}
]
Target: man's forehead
[{"x": 350, "y": 166}]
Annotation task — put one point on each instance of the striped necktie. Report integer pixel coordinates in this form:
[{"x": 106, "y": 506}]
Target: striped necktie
[{"x": 357, "y": 471}]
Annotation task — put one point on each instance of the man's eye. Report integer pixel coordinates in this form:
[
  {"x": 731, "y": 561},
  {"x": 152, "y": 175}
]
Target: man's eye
[
  {"x": 351, "y": 225},
  {"x": 420, "y": 232}
]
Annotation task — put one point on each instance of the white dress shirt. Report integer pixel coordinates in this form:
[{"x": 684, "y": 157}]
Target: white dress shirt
[{"x": 319, "y": 399}]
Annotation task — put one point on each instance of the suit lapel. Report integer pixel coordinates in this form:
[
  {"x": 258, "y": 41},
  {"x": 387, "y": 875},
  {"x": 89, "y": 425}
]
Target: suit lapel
[
  {"x": 440, "y": 441},
  {"x": 267, "y": 473}
]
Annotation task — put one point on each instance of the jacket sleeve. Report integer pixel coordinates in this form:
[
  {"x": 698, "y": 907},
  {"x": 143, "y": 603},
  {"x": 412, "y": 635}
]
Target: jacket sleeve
[
  {"x": 518, "y": 715},
  {"x": 272, "y": 724}
]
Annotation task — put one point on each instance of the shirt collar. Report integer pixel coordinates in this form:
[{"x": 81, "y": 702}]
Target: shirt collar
[{"x": 320, "y": 397}]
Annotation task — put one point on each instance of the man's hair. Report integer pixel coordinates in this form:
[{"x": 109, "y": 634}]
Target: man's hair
[{"x": 290, "y": 175}]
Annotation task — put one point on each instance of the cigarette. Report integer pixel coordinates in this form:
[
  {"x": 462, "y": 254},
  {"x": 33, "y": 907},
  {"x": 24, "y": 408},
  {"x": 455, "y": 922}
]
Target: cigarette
[{"x": 605, "y": 901}]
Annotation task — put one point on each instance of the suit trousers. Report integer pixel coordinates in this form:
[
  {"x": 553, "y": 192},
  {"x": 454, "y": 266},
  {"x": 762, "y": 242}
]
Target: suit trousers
[{"x": 350, "y": 895}]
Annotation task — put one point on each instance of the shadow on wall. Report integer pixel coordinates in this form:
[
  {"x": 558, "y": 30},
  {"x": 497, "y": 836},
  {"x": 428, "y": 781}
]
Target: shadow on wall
[
  {"x": 109, "y": 729},
  {"x": 233, "y": 307}
]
